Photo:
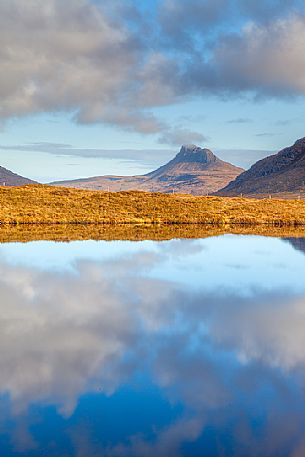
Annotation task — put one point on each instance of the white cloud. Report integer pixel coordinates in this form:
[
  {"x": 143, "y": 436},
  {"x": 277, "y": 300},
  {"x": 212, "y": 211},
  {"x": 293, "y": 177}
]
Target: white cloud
[
  {"x": 103, "y": 62},
  {"x": 179, "y": 136},
  {"x": 266, "y": 59},
  {"x": 71, "y": 57}
]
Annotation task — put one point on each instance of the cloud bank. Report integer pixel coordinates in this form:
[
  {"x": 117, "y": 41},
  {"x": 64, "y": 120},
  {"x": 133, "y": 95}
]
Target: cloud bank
[{"x": 114, "y": 63}]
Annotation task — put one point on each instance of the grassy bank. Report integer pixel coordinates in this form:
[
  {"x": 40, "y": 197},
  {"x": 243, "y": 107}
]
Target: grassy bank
[{"x": 54, "y": 205}]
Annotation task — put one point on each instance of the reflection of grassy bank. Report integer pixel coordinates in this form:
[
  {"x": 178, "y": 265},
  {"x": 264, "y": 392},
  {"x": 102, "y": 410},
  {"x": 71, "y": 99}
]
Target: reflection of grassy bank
[
  {"x": 51, "y": 205},
  {"x": 133, "y": 232}
]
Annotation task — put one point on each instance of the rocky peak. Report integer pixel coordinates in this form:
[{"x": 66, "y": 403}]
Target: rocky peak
[
  {"x": 193, "y": 153},
  {"x": 288, "y": 157},
  {"x": 297, "y": 149},
  {"x": 300, "y": 143}
]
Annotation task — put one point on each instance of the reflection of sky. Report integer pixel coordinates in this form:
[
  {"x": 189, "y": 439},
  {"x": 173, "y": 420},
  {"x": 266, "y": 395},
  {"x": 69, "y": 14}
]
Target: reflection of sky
[
  {"x": 144, "y": 349},
  {"x": 220, "y": 261}
]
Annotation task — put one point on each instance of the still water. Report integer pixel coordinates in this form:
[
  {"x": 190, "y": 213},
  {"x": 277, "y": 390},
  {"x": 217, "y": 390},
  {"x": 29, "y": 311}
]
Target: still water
[{"x": 150, "y": 349}]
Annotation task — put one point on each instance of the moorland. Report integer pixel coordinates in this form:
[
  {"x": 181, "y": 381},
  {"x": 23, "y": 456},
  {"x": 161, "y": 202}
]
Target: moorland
[{"x": 42, "y": 204}]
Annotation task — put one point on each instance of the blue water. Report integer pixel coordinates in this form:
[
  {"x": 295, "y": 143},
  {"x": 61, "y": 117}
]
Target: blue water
[{"x": 138, "y": 349}]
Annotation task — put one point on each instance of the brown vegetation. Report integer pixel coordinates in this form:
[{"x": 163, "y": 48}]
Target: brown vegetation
[
  {"x": 37, "y": 204},
  {"x": 134, "y": 232}
]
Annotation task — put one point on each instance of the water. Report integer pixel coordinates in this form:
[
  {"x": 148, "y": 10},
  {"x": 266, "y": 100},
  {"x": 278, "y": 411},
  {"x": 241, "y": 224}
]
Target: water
[{"x": 178, "y": 348}]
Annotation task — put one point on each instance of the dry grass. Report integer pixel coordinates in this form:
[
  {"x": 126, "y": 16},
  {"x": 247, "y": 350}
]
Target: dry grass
[
  {"x": 134, "y": 232},
  {"x": 37, "y": 204}
]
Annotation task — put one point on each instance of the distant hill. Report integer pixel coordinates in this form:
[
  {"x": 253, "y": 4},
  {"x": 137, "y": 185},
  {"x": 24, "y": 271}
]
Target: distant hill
[
  {"x": 193, "y": 171},
  {"x": 282, "y": 173},
  {"x": 8, "y": 178}
]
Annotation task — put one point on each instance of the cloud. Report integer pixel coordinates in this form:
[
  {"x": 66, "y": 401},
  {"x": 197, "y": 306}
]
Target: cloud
[
  {"x": 266, "y": 59},
  {"x": 262, "y": 57},
  {"x": 72, "y": 57},
  {"x": 267, "y": 10},
  {"x": 240, "y": 120},
  {"x": 58, "y": 149},
  {"x": 208, "y": 19},
  {"x": 179, "y": 136},
  {"x": 195, "y": 15},
  {"x": 266, "y": 134},
  {"x": 144, "y": 157},
  {"x": 112, "y": 63}
]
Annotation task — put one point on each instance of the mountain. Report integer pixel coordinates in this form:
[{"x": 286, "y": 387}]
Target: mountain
[
  {"x": 282, "y": 173},
  {"x": 193, "y": 171},
  {"x": 8, "y": 178}
]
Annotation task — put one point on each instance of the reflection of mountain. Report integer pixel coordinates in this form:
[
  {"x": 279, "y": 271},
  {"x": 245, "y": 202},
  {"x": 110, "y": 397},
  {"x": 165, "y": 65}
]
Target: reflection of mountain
[
  {"x": 193, "y": 171},
  {"x": 297, "y": 243}
]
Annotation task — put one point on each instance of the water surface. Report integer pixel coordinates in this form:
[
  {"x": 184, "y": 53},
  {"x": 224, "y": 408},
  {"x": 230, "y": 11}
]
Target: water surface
[{"x": 173, "y": 348}]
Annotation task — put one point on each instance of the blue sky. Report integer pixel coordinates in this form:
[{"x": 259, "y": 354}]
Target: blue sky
[{"x": 115, "y": 87}]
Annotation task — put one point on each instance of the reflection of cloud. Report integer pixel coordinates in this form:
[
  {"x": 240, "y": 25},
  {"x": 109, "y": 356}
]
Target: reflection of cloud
[
  {"x": 66, "y": 333},
  {"x": 181, "y": 248},
  {"x": 61, "y": 332},
  {"x": 268, "y": 328},
  {"x": 167, "y": 442}
]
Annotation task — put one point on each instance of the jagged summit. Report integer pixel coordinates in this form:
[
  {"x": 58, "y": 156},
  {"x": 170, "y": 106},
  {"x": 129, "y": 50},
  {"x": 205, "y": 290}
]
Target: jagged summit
[
  {"x": 189, "y": 161},
  {"x": 300, "y": 142},
  {"x": 193, "y": 153},
  {"x": 280, "y": 173},
  {"x": 193, "y": 170},
  {"x": 189, "y": 147}
]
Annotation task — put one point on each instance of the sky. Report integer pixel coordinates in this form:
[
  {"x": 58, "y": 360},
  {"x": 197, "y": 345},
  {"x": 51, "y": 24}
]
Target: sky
[{"x": 93, "y": 87}]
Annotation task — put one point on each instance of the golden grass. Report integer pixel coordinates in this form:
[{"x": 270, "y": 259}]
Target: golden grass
[
  {"x": 38, "y": 204},
  {"x": 134, "y": 232}
]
